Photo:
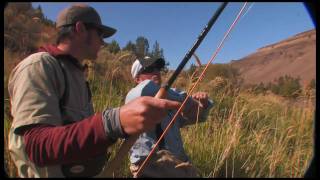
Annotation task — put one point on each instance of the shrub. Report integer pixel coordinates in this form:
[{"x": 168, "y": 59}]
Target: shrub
[
  {"x": 312, "y": 84},
  {"x": 287, "y": 86}
]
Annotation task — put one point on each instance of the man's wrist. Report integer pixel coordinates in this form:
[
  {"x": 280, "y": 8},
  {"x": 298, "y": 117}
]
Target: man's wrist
[{"x": 112, "y": 125}]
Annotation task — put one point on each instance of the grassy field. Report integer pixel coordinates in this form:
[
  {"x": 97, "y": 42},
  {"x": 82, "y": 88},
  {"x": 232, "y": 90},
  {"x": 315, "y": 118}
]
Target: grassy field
[
  {"x": 259, "y": 136},
  {"x": 245, "y": 135}
]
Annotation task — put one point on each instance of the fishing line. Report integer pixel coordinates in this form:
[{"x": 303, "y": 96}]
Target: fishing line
[{"x": 188, "y": 94}]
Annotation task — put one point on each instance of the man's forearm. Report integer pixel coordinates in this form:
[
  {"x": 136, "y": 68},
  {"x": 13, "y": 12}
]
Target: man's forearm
[{"x": 50, "y": 145}]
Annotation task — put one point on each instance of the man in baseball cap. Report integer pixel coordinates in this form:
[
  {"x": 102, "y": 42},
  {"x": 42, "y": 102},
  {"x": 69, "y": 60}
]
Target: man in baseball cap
[
  {"x": 85, "y": 14},
  {"x": 147, "y": 68},
  {"x": 170, "y": 159},
  {"x": 55, "y": 131}
]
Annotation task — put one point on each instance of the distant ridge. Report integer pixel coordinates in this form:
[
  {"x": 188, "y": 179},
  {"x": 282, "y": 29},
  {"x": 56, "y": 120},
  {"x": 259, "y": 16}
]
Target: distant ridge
[{"x": 294, "y": 56}]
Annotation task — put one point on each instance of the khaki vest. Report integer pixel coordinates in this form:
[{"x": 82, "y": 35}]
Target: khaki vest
[{"x": 35, "y": 87}]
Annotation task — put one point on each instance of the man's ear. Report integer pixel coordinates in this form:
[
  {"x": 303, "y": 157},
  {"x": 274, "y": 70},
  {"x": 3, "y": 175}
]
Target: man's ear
[
  {"x": 79, "y": 27},
  {"x": 137, "y": 80}
]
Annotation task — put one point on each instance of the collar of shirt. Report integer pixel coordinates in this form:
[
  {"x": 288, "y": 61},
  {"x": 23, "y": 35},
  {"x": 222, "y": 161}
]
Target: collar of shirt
[{"x": 57, "y": 53}]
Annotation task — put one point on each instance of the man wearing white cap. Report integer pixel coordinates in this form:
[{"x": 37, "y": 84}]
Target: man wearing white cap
[{"x": 170, "y": 160}]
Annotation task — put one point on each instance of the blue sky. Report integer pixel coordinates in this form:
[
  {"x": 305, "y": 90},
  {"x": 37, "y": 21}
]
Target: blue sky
[{"x": 177, "y": 25}]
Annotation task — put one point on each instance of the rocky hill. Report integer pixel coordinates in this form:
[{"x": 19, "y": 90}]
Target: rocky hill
[{"x": 295, "y": 56}]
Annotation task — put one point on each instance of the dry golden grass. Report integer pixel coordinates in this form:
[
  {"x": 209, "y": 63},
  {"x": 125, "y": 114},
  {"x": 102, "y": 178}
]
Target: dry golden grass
[
  {"x": 259, "y": 137},
  {"x": 245, "y": 135}
]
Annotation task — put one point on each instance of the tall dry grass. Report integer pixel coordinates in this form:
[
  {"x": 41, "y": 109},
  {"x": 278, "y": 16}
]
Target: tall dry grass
[
  {"x": 245, "y": 135},
  {"x": 259, "y": 136}
]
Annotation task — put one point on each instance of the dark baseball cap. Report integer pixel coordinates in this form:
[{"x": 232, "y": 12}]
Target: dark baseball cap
[
  {"x": 86, "y": 14},
  {"x": 145, "y": 63}
]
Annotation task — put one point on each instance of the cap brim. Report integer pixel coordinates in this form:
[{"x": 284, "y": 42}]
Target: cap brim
[
  {"x": 107, "y": 31},
  {"x": 158, "y": 61},
  {"x": 161, "y": 62}
]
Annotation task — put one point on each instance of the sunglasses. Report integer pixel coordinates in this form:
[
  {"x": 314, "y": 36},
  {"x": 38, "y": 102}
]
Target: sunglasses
[
  {"x": 152, "y": 69},
  {"x": 93, "y": 26}
]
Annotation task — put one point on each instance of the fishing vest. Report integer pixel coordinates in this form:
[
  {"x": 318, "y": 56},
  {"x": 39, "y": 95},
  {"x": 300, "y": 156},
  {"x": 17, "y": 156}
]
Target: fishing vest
[{"x": 68, "y": 78}]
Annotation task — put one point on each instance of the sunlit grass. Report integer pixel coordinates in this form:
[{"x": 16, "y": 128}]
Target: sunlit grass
[
  {"x": 261, "y": 137},
  {"x": 245, "y": 135}
]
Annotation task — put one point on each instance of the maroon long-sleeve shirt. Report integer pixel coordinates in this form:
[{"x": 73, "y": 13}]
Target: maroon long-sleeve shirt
[{"x": 49, "y": 145}]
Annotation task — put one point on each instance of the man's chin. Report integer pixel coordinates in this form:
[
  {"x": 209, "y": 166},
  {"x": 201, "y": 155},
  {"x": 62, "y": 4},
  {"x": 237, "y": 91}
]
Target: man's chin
[
  {"x": 157, "y": 82},
  {"x": 92, "y": 58}
]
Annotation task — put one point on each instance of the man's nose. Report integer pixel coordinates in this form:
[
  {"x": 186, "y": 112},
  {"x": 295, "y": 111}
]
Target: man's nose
[{"x": 102, "y": 44}]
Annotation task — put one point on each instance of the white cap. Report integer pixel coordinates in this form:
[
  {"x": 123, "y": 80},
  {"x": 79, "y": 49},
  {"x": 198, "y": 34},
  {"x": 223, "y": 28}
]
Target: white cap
[
  {"x": 144, "y": 63},
  {"x": 136, "y": 67}
]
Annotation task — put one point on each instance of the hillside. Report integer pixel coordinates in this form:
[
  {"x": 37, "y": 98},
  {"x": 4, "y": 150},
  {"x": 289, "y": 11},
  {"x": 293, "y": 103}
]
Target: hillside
[
  {"x": 26, "y": 28},
  {"x": 295, "y": 56}
]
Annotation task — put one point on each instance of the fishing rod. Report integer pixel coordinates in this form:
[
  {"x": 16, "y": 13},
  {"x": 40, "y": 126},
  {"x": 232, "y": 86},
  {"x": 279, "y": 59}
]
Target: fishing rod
[
  {"x": 189, "y": 93},
  {"x": 128, "y": 143}
]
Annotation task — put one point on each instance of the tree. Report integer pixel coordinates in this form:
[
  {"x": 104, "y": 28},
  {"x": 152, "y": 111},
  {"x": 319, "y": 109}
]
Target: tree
[
  {"x": 258, "y": 89},
  {"x": 38, "y": 13},
  {"x": 275, "y": 89},
  {"x": 21, "y": 33},
  {"x": 21, "y": 7},
  {"x": 157, "y": 51},
  {"x": 223, "y": 70},
  {"x": 130, "y": 47},
  {"x": 142, "y": 47},
  {"x": 287, "y": 86},
  {"x": 312, "y": 84},
  {"x": 113, "y": 47},
  {"x": 291, "y": 87}
]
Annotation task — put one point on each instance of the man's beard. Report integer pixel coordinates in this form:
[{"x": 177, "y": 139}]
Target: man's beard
[{"x": 90, "y": 55}]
